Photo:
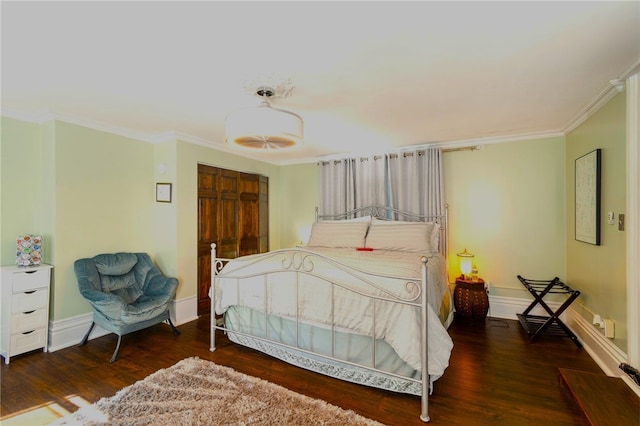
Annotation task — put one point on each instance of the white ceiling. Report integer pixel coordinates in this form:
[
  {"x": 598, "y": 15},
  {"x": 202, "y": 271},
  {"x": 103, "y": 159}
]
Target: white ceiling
[{"x": 368, "y": 76}]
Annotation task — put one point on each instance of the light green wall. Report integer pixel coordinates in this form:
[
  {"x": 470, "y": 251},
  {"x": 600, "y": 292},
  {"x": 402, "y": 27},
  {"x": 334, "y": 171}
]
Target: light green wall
[
  {"x": 26, "y": 186},
  {"x": 165, "y": 226},
  {"x": 103, "y": 204},
  {"x": 599, "y": 271},
  {"x": 506, "y": 205},
  {"x": 300, "y": 186}
]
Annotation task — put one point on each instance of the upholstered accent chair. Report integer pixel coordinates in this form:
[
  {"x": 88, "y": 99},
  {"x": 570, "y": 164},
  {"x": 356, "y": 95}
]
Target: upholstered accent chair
[{"x": 127, "y": 292}]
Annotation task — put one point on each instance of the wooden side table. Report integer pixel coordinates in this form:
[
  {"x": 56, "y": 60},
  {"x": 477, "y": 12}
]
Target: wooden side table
[{"x": 470, "y": 299}]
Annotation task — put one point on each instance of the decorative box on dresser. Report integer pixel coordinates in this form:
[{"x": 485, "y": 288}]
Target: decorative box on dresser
[{"x": 24, "y": 309}]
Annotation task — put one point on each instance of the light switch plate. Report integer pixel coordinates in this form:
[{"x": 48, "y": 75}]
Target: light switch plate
[{"x": 620, "y": 222}]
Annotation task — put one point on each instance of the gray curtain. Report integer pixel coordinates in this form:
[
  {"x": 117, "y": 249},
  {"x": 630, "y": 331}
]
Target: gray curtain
[
  {"x": 351, "y": 183},
  {"x": 415, "y": 182},
  {"x": 336, "y": 177},
  {"x": 410, "y": 181}
]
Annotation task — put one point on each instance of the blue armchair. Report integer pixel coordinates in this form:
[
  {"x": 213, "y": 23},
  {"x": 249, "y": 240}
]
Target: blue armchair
[{"x": 127, "y": 293}]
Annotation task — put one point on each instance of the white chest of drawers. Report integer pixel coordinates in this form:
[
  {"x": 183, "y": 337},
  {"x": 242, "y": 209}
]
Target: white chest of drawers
[{"x": 24, "y": 309}]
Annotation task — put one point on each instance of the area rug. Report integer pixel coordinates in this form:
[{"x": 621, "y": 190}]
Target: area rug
[{"x": 199, "y": 392}]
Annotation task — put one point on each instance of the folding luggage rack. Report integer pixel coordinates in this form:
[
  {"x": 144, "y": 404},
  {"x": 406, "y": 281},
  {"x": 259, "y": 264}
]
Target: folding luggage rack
[{"x": 535, "y": 325}]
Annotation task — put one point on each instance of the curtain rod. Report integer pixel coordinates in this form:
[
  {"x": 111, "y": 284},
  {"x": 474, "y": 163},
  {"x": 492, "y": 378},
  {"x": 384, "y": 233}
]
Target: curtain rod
[
  {"x": 396, "y": 154},
  {"x": 462, "y": 148}
]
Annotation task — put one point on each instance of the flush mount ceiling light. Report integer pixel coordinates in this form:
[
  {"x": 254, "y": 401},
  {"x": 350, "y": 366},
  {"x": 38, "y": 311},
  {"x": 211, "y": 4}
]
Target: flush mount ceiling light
[{"x": 265, "y": 127}]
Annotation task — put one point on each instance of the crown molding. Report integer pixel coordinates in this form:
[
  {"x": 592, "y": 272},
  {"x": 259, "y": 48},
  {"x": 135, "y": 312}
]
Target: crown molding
[
  {"x": 611, "y": 89},
  {"x": 158, "y": 138},
  {"x": 489, "y": 140},
  {"x": 606, "y": 94},
  {"x": 634, "y": 68},
  {"x": 46, "y": 116},
  {"x": 462, "y": 144},
  {"x": 30, "y": 117}
]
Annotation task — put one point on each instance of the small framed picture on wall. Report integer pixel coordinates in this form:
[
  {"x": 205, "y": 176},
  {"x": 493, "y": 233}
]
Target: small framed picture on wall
[{"x": 163, "y": 192}]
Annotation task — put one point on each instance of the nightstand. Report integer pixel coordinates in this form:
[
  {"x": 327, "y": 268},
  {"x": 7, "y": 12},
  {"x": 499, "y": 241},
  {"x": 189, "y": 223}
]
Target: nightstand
[{"x": 470, "y": 298}]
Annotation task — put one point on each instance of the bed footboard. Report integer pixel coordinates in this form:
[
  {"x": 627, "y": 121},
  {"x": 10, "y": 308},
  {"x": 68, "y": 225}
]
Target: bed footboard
[{"x": 262, "y": 274}]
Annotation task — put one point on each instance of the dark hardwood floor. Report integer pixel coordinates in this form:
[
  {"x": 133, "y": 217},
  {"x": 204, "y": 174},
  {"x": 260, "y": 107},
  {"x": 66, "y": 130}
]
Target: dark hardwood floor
[{"x": 496, "y": 375}]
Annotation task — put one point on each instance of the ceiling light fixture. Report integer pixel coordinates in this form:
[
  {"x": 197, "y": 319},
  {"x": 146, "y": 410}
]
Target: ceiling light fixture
[{"x": 264, "y": 127}]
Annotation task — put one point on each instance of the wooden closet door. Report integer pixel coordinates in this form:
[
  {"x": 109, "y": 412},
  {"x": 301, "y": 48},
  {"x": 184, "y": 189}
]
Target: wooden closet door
[
  {"x": 217, "y": 223},
  {"x": 249, "y": 230},
  {"x": 233, "y": 214},
  {"x": 263, "y": 206},
  {"x": 228, "y": 214},
  {"x": 208, "y": 200}
]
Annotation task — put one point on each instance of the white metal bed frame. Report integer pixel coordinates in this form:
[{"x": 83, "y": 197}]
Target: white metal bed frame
[{"x": 302, "y": 261}]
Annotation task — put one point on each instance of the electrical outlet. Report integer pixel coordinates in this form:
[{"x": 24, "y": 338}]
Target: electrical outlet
[
  {"x": 487, "y": 286},
  {"x": 597, "y": 320},
  {"x": 609, "y": 329}
]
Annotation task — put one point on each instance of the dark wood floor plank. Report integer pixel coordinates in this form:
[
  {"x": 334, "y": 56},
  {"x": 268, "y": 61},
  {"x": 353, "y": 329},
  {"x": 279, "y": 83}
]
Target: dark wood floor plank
[{"x": 496, "y": 375}]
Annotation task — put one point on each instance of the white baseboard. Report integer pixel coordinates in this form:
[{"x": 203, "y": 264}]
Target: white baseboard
[
  {"x": 70, "y": 331},
  {"x": 508, "y": 307},
  {"x": 602, "y": 350},
  {"x": 607, "y": 355},
  {"x": 184, "y": 310}
]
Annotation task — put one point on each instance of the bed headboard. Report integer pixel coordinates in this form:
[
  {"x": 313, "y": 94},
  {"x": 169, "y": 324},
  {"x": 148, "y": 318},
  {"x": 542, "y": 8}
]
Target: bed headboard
[{"x": 388, "y": 213}]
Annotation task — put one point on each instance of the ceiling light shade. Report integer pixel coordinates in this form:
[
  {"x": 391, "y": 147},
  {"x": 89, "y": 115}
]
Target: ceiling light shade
[{"x": 264, "y": 127}]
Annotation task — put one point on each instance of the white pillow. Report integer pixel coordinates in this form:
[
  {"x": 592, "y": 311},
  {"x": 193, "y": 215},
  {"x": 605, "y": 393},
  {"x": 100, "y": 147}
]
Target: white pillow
[
  {"x": 418, "y": 237},
  {"x": 338, "y": 233},
  {"x": 434, "y": 237}
]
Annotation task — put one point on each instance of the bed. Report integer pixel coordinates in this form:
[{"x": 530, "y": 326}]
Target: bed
[{"x": 350, "y": 303}]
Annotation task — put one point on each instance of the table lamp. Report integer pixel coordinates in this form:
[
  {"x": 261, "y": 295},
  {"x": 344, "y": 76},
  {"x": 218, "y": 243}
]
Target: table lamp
[{"x": 465, "y": 259}]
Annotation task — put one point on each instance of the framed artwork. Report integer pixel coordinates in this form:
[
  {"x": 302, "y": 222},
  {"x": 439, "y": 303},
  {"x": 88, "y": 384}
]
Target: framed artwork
[
  {"x": 587, "y": 204},
  {"x": 163, "y": 192}
]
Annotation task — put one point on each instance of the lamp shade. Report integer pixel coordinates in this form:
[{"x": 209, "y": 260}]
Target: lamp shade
[
  {"x": 264, "y": 127},
  {"x": 466, "y": 259}
]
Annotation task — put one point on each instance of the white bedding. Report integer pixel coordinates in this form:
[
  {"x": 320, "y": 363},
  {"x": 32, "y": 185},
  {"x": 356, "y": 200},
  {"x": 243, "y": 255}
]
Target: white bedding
[{"x": 398, "y": 324}]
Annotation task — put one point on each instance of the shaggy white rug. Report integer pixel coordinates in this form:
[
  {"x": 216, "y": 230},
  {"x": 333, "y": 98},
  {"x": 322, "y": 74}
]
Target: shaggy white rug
[{"x": 199, "y": 392}]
